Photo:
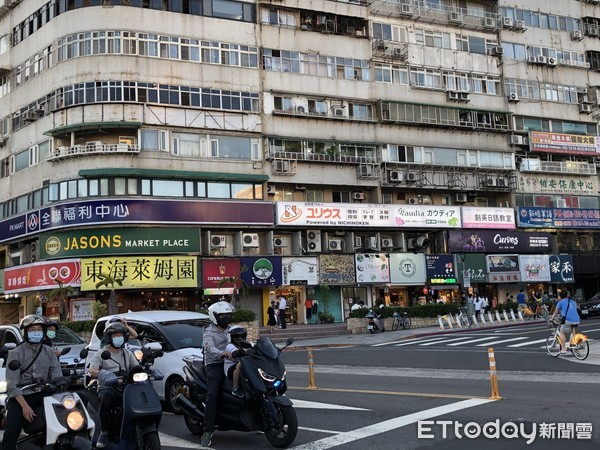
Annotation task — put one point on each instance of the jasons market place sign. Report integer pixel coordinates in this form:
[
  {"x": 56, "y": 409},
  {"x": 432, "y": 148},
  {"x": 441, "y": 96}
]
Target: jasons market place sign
[{"x": 119, "y": 241}]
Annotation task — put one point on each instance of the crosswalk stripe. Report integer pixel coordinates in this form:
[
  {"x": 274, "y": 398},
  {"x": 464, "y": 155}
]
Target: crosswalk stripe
[
  {"x": 472, "y": 340},
  {"x": 445, "y": 341},
  {"x": 523, "y": 344},
  {"x": 487, "y": 344},
  {"x": 419, "y": 341}
]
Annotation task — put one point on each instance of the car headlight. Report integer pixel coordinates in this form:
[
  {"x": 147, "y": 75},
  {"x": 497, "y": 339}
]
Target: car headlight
[
  {"x": 140, "y": 376},
  {"x": 265, "y": 376},
  {"x": 3, "y": 386},
  {"x": 75, "y": 420},
  {"x": 69, "y": 402}
]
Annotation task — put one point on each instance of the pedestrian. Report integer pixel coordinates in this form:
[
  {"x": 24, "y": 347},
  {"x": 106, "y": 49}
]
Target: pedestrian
[
  {"x": 521, "y": 299},
  {"x": 470, "y": 305},
  {"x": 272, "y": 321},
  {"x": 282, "y": 305},
  {"x": 478, "y": 303},
  {"x": 485, "y": 306},
  {"x": 277, "y": 315},
  {"x": 308, "y": 308}
]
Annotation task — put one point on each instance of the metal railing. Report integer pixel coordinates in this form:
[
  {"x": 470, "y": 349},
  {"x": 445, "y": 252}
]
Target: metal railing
[
  {"x": 91, "y": 148},
  {"x": 568, "y": 167}
]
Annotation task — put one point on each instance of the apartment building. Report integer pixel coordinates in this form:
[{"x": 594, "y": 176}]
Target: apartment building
[{"x": 202, "y": 130}]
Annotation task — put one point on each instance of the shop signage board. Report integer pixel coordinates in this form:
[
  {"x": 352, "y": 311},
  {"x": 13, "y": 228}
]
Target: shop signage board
[
  {"x": 262, "y": 271},
  {"x": 503, "y": 268},
  {"x": 42, "y": 275},
  {"x": 372, "y": 268},
  {"x": 568, "y": 144},
  {"x": 556, "y": 184},
  {"x": 472, "y": 264},
  {"x": 480, "y": 217},
  {"x": 118, "y": 241},
  {"x": 561, "y": 268},
  {"x": 440, "y": 269},
  {"x": 558, "y": 217},
  {"x": 534, "y": 268},
  {"x": 407, "y": 269},
  {"x": 337, "y": 269},
  {"x": 136, "y": 211},
  {"x": 300, "y": 271},
  {"x": 501, "y": 241},
  {"x": 367, "y": 215},
  {"x": 215, "y": 270},
  {"x": 81, "y": 309},
  {"x": 137, "y": 272}
]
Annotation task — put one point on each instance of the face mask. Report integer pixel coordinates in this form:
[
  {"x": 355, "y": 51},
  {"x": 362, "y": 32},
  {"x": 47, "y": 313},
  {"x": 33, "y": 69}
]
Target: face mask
[
  {"x": 35, "y": 336},
  {"x": 118, "y": 341},
  {"x": 51, "y": 334}
]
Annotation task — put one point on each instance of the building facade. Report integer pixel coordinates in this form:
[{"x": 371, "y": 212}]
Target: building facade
[{"x": 196, "y": 131}]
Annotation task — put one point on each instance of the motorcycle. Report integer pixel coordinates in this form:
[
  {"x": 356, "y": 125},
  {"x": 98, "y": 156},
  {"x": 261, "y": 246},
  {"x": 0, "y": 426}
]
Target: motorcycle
[
  {"x": 62, "y": 423},
  {"x": 135, "y": 419},
  {"x": 375, "y": 322},
  {"x": 264, "y": 406}
]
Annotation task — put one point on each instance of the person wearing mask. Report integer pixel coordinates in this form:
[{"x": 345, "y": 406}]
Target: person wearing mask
[
  {"x": 51, "y": 329},
  {"x": 215, "y": 344},
  {"x": 38, "y": 363},
  {"x": 568, "y": 311},
  {"x": 121, "y": 359},
  {"x": 237, "y": 335},
  {"x": 132, "y": 334},
  {"x": 282, "y": 306}
]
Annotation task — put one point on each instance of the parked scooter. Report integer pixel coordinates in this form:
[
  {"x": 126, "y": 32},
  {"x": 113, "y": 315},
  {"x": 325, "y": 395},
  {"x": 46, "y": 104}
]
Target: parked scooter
[
  {"x": 263, "y": 408},
  {"x": 135, "y": 420},
  {"x": 62, "y": 423},
  {"x": 375, "y": 322}
]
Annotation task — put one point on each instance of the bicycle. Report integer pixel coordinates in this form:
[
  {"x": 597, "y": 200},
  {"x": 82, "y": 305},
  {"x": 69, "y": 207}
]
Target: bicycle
[
  {"x": 401, "y": 318},
  {"x": 578, "y": 343},
  {"x": 535, "y": 311},
  {"x": 463, "y": 318}
]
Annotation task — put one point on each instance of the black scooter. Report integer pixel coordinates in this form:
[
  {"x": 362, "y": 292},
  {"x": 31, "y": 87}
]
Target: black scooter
[
  {"x": 264, "y": 407},
  {"x": 135, "y": 420}
]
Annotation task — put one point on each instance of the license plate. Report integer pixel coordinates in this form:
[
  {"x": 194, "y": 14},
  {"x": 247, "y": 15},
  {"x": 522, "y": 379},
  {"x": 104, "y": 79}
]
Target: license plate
[
  {"x": 584, "y": 311},
  {"x": 369, "y": 327}
]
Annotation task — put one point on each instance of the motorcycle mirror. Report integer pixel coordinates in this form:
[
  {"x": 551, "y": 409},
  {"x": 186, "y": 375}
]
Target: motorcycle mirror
[
  {"x": 105, "y": 355},
  {"x": 65, "y": 350},
  {"x": 153, "y": 346},
  {"x": 14, "y": 365},
  {"x": 10, "y": 346},
  {"x": 84, "y": 352},
  {"x": 289, "y": 342}
]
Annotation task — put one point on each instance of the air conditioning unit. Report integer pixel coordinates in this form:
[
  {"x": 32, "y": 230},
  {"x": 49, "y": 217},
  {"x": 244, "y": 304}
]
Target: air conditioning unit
[
  {"x": 461, "y": 198},
  {"x": 552, "y": 62},
  {"x": 395, "y": 176},
  {"x": 399, "y": 53},
  {"x": 313, "y": 240},
  {"x": 489, "y": 182},
  {"x": 532, "y": 59},
  {"x": 380, "y": 44},
  {"x": 489, "y": 22},
  {"x": 300, "y": 109},
  {"x": 452, "y": 95},
  {"x": 358, "y": 196},
  {"x": 358, "y": 241},
  {"x": 386, "y": 243},
  {"x": 455, "y": 17},
  {"x": 413, "y": 201},
  {"x": 585, "y": 108},
  {"x": 412, "y": 177},
  {"x": 218, "y": 241},
  {"x": 561, "y": 203},
  {"x": 405, "y": 9},
  {"x": 525, "y": 141},
  {"x": 371, "y": 243},
  {"x": 513, "y": 97},
  {"x": 516, "y": 139},
  {"x": 335, "y": 245},
  {"x": 337, "y": 111},
  {"x": 576, "y": 35},
  {"x": 250, "y": 240},
  {"x": 464, "y": 97},
  {"x": 279, "y": 241},
  {"x": 282, "y": 166},
  {"x": 366, "y": 170},
  {"x": 497, "y": 51},
  {"x": 30, "y": 116},
  {"x": 519, "y": 25},
  {"x": 591, "y": 31},
  {"x": 541, "y": 59},
  {"x": 502, "y": 182},
  {"x": 34, "y": 252},
  {"x": 507, "y": 22},
  {"x": 271, "y": 190}
]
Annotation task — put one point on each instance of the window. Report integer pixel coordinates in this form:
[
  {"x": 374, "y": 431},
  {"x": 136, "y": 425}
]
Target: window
[
  {"x": 186, "y": 145},
  {"x": 431, "y": 38}
]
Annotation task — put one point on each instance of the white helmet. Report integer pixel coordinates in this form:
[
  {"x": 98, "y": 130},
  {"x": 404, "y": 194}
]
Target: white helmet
[{"x": 220, "y": 313}]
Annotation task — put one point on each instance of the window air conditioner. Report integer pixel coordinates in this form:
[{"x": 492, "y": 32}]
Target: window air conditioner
[
  {"x": 585, "y": 108},
  {"x": 513, "y": 97},
  {"x": 250, "y": 240},
  {"x": 541, "y": 59},
  {"x": 488, "y": 22},
  {"x": 519, "y": 25},
  {"x": 413, "y": 201},
  {"x": 576, "y": 35},
  {"x": 279, "y": 241},
  {"x": 217, "y": 241},
  {"x": 271, "y": 189},
  {"x": 461, "y": 198},
  {"x": 338, "y": 111},
  {"x": 497, "y": 51},
  {"x": 30, "y": 116},
  {"x": 452, "y": 95},
  {"x": 516, "y": 139},
  {"x": 552, "y": 62},
  {"x": 532, "y": 59},
  {"x": 358, "y": 196},
  {"x": 396, "y": 176},
  {"x": 507, "y": 22},
  {"x": 335, "y": 245}
]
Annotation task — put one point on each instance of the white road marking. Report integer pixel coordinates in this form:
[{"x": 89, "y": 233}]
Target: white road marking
[
  {"x": 523, "y": 344},
  {"x": 172, "y": 441},
  {"x": 318, "y": 405},
  {"x": 471, "y": 341},
  {"x": 487, "y": 344},
  {"x": 382, "y": 427},
  {"x": 445, "y": 341},
  {"x": 418, "y": 341},
  {"x": 318, "y": 430}
]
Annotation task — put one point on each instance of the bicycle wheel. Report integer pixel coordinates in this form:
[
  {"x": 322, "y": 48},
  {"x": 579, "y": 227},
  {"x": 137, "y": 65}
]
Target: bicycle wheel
[
  {"x": 581, "y": 350},
  {"x": 406, "y": 323},
  {"x": 396, "y": 324},
  {"x": 552, "y": 345},
  {"x": 542, "y": 313}
]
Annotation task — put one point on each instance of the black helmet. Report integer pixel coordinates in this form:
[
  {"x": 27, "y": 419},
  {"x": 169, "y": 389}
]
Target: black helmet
[
  {"x": 237, "y": 334},
  {"x": 52, "y": 323},
  {"x": 112, "y": 328},
  {"x": 33, "y": 319}
]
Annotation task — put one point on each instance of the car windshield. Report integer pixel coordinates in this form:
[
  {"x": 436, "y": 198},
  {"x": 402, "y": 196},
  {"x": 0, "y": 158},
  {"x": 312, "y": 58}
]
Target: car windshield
[
  {"x": 184, "y": 333},
  {"x": 64, "y": 336}
]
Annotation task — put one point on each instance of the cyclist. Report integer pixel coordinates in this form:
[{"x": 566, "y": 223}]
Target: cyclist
[{"x": 568, "y": 310}]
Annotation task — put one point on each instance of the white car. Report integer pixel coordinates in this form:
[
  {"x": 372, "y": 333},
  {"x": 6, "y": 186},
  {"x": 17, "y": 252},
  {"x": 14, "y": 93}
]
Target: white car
[{"x": 178, "y": 332}]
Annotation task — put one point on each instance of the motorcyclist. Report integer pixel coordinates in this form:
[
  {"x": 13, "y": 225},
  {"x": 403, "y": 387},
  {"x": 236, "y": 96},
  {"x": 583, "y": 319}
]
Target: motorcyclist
[
  {"x": 38, "y": 363},
  {"x": 51, "y": 328},
  {"x": 115, "y": 334},
  {"x": 215, "y": 342}
]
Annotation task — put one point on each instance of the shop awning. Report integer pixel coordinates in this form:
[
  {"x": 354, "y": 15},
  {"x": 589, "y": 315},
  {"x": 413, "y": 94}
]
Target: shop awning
[{"x": 180, "y": 174}]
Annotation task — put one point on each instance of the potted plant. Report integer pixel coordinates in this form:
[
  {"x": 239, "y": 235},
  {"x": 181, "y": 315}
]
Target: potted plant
[{"x": 325, "y": 316}]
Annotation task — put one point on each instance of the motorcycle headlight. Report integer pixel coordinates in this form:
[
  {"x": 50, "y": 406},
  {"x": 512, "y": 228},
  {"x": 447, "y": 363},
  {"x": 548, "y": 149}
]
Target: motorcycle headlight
[
  {"x": 75, "y": 420},
  {"x": 69, "y": 402},
  {"x": 265, "y": 376},
  {"x": 138, "y": 354},
  {"x": 140, "y": 376},
  {"x": 3, "y": 386}
]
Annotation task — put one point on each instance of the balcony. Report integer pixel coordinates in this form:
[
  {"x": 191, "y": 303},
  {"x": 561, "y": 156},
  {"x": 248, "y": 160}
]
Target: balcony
[
  {"x": 564, "y": 167},
  {"x": 330, "y": 157},
  {"x": 91, "y": 148}
]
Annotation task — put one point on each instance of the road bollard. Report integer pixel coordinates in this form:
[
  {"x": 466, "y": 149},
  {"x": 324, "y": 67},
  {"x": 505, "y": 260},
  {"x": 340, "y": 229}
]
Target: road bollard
[
  {"x": 493, "y": 376},
  {"x": 498, "y": 319},
  {"x": 311, "y": 370},
  {"x": 457, "y": 320},
  {"x": 449, "y": 320},
  {"x": 441, "y": 323},
  {"x": 505, "y": 316}
]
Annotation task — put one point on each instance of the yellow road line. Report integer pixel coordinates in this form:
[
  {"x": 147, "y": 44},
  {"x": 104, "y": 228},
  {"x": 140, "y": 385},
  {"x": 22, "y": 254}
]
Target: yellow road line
[{"x": 404, "y": 394}]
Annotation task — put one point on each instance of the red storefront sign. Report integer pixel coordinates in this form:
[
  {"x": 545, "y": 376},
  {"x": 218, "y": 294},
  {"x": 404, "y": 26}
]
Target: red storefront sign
[
  {"x": 42, "y": 275},
  {"x": 215, "y": 270}
]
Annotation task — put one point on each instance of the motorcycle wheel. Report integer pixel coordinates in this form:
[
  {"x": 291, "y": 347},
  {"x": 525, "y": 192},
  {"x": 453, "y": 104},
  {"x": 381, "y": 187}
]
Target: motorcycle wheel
[
  {"x": 151, "y": 441},
  {"x": 285, "y": 433},
  {"x": 193, "y": 424}
]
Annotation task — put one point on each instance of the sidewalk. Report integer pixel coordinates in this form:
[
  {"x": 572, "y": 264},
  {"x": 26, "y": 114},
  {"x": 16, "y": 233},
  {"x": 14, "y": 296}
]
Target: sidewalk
[{"x": 389, "y": 337}]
